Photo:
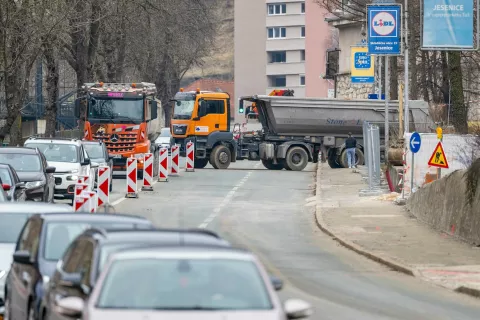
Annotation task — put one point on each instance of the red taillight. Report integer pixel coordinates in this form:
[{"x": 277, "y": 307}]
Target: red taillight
[{"x": 6, "y": 187}]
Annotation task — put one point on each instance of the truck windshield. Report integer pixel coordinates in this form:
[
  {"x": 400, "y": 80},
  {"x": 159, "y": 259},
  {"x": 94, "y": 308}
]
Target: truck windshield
[
  {"x": 116, "y": 110},
  {"x": 183, "y": 109}
]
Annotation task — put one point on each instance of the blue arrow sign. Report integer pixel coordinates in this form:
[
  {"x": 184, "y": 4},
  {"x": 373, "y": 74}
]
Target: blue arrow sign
[{"x": 415, "y": 142}]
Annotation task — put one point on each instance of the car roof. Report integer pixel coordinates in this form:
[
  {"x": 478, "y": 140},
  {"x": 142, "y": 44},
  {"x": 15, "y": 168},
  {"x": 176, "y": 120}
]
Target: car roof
[
  {"x": 21, "y": 150},
  {"x": 93, "y": 142},
  {"x": 6, "y": 165},
  {"x": 66, "y": 141},
  {"x": 86, "y": 216},
  {"x": 34, "y": 208}
]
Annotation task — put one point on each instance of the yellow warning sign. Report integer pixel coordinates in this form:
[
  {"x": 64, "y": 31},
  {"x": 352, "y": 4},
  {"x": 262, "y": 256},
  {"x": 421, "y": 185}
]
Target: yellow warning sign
[{"x": 438, "y": 158}]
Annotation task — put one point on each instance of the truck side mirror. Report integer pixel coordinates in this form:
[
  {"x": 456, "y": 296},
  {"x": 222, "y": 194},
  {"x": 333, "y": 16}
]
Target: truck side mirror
[
  {"x": 77, "y": 107},
  {"x": 154, "y": 109}
]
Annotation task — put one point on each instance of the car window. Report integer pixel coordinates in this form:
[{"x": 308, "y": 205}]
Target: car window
[
  {"x": 57, "y": 152},
  {"x": 95, "y": 151},
  {"x": 5, "y": 176},
  {"x": 11, "y": 226},
  {"x": 184, "y": 284},
  {"x": 87, "y": 260},
  {"x": 22, "y": 162},
  {"x": 29, "y": 240}
]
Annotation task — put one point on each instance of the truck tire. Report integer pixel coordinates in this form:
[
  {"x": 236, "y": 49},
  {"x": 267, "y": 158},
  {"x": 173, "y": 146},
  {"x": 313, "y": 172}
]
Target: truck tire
[
  {"x": 220, "y": 157},
  {"x": 285, "y": 165},
  {"x": 359, "y": 158},
  {"x": 297, "y": 158},
  {"x": 332, "y": 162},
  {"x": 272, "y": 166},
  {"x": 200, "y": 163}
]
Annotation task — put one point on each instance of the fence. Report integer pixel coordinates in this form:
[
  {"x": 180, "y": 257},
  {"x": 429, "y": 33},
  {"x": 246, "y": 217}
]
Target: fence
[{"x": 371, "y": 145}]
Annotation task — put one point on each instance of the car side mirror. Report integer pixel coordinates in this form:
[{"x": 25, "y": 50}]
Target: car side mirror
[
  {"x": 22, "y": 257},
  {"x": 297, "y": 309},
  {"x": 71, "y": 307},
  {"x": 20, "y": 185},
  {"x": 50, "y": 170},
  {"x": 276, "y": 282},
  {"x": 71, "y": 279},
  {"x": 86, "y": 162},
  {"x": 6, "y": 187}
]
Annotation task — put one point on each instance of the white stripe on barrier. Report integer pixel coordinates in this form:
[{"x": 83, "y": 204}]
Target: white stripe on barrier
[
  {"x": 163, "y": 165},
  {"x": 103, "y": 186},
  {"x": 147, "y": 172},
  {"x": 79, "y": 189},
  {"x": 190, "y": 157},
  {"x": 175, "y": 158},
  {"x": 131, "y": 178}
]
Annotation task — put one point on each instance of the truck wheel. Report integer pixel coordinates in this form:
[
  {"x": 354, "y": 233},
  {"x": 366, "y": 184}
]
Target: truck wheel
[
  {"x": 272, "y": 166},
  {"x": 332, "y": 162},
  {"x": 297, "y": 158},
  {"x": 285, "y": 165},
  {"x": 359, "y": 158},
  {"x": 220, "y": 157},
  {"x": 200, "y": 163}
]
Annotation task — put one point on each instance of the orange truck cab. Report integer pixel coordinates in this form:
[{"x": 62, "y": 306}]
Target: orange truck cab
[
  {"x": 203, "y": 117},
  {"x": 126, "y": 117}
]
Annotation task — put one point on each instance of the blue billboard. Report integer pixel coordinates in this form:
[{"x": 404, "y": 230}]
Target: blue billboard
[
  {"x": 448, "y": 24},
  {"x": 384, "y": 29}
]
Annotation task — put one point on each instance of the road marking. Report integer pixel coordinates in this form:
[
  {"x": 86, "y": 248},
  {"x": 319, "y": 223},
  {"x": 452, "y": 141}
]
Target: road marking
[{"x": 376, "y": 215}]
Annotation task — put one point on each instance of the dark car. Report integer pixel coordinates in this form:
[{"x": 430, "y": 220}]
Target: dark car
[
  {"x": 41, "y": 244},
  {"x": 90, "y": 251},
  {"x": 97, "y": 151},
  {"x": 11, "y": 183},
  {"x": 32, "y": 169}
]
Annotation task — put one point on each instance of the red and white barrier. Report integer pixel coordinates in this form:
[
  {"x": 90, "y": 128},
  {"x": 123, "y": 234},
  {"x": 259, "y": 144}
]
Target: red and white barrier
[
  {"x": 190, "y": 157},
  {"x": 81, "y": 203},
  {"x": 83, "y": 179},
  {"x": 147, "y": 172},
  {"x": 78, "y": 191},
  {"x": 103, "y": 186},
  {"x": 131, "y": 178},
  {"x": 163, "y": 166},
  {"x": 175, "y": 158},
  {"x": 92, "y": 200}
]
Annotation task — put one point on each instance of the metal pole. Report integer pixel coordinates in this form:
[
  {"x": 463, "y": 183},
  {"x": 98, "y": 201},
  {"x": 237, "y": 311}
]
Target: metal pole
[
  {"x": 380, "y": 78},
  {"x": 412, "y": 175},
  {"x": 387, "y": 97},
  {"x": 370, "y": 159},
  {"x": 407, "y": 113}
]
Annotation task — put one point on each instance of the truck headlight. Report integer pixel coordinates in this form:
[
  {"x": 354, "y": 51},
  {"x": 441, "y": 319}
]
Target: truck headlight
[{"x": 34, "y": 184}]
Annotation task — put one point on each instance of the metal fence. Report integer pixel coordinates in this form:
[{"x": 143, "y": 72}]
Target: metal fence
[{"x": 371, "y": 141}]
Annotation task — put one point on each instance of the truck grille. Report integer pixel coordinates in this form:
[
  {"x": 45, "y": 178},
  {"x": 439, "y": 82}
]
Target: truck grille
[{"x": 126, "y": 142}]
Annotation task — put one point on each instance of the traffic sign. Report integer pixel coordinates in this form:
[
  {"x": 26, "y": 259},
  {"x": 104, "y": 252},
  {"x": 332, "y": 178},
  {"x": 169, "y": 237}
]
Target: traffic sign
[
  {"x": 438, "y": 158},
  {"x": 384, "y": 29},
  {"x": 415, "y": 142}
]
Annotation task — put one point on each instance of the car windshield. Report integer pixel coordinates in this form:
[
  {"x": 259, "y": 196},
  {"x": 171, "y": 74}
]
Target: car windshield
[
  {"x": 5, "y": 176},
  {"x": 193, "y": 284},
  {"x": 94, "y": 151},
  {"x": 116, "y": 110},
  {"x": 22, "y": 162},
  {"x": 57, "y": 152},
  {"x": 11, "y": 226},
  {"x": 60, "y": 234}
]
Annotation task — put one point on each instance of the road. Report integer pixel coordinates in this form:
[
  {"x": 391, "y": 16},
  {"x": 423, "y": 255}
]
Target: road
[{"x": 269, "y": 213}]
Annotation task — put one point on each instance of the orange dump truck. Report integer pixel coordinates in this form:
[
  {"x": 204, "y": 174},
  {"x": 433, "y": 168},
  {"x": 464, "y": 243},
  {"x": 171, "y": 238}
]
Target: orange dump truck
[{"x": 127, "y": 117}]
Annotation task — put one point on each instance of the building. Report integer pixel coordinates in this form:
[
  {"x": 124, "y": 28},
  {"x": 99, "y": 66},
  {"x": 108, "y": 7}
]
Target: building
[
  {"x": 273, "y": 51},
  {"x": 215, "y": 85}
]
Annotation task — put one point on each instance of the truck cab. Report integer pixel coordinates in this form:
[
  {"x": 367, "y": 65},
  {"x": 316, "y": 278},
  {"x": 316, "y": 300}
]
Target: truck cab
[{"x": 203, "y": 117}]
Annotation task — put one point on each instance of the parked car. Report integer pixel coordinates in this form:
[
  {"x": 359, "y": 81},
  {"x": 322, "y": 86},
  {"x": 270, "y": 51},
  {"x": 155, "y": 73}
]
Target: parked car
[
  {"x": 96, "y": 246},
  {"x": 11, "y": 183},
  {"x": 98, "y": 153},
  {"x": 41, "y": 244},
  {"x": 13, "y": 217},
  {"x": 194, "y": 282},
  {"x": 70, "y": 159},
  {"x": 165, "y": 140},
  {"x": 32, "y": 169}
]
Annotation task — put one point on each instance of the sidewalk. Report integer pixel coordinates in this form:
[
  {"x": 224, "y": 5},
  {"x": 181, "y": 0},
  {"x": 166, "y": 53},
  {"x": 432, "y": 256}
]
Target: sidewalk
[{"x": 382, "y": 231}]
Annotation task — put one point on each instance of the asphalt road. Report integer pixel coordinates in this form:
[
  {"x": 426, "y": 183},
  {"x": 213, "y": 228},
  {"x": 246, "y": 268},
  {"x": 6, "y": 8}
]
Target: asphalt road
[{"x": 268, "y": 212}]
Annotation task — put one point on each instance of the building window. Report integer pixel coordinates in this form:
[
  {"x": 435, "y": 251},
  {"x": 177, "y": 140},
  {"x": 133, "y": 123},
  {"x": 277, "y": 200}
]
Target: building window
[
  {"x": 277, "y": 32},
  {"x": 303, "y": 7},
  {"x": 278, "y": 81},
  {"x": 303, "y": 32},
  {"x": 302, "y": 55},
  {"x": 302, "y": 80},
  {"x": 278, "y": 56},
  {"x": 277, "y": 8}
]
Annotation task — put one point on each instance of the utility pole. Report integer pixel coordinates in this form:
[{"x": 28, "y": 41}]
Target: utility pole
[{"x": 406, "y": 104}]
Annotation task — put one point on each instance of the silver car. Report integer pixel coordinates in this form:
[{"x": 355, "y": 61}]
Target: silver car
[
  {"x": 180, "y": 283},
  {"x": 165, "y": 140}
]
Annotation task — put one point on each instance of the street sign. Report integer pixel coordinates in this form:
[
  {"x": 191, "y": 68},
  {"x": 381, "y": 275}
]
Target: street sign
[
  {"x": 415, "y": 142},
  {"x": 362, "y": 66},
  {"x": 438, "y": 158},
  {"x": 384, "y": 29}
]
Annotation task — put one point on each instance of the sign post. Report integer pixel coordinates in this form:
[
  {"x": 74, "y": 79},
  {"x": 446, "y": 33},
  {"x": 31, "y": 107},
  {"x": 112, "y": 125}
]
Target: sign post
[{"x": 415, "y": 144}]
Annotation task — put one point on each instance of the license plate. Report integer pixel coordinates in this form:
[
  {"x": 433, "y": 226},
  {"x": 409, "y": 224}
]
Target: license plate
[{"x": 117, "y": 156}]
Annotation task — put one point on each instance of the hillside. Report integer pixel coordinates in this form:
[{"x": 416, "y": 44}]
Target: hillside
[{"x": 220, "y": 64}]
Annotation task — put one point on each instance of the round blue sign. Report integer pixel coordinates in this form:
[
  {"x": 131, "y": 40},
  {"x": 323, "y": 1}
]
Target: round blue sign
[{"x": 415, "y": 142}]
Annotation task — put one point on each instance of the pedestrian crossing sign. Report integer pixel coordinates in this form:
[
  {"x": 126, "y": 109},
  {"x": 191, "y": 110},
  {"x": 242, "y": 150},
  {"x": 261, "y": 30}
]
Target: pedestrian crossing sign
[{"x": 438, "y": 158}]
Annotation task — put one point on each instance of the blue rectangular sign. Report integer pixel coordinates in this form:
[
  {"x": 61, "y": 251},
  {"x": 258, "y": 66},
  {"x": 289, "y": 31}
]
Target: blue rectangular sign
[
  {"x": 384, "y": 29},
  {"x": 448, "y": 24}
]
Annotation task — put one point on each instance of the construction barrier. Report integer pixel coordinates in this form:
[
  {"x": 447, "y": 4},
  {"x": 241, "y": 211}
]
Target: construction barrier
[
  {"x": 131, "y": 178},
  {"x": 147, "y": 172},
  {"x": 79, "y": 189},
  {"x": 92, "y": 200},
  {"x": 103, "y": 186},
  {"x": 163, "y": 165},
  {"x": 190, "y": 157},
  {"x": 175, "y": 158},
  {"x": 81, "y": 203}
]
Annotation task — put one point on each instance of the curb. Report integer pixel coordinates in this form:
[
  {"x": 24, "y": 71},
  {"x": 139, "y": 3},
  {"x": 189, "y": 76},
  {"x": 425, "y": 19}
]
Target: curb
[
  {"x": 350, "y": 245},
  {"x": 468, "y": 291}
]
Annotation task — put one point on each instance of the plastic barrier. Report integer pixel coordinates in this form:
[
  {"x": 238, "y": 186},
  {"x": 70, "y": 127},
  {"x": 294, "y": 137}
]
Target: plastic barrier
[
  {"x": 148, "y": 172},
  {"x": 103, "y": 186},
  {"x": 92, "y": 200},
  {"x": 175, "y": 159},
  {"x": 80, "y": 204},
  {"x": 79, "y": 189},
  {"x": 131, "y": 178},
  {"x": 190, "y": 157},
  {"x": 163, "y": 166}
]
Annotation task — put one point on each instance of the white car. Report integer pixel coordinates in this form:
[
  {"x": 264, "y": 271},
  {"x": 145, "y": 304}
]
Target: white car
[
  {"x": 165, "y": 140},
  {"x": 70, "y": 159}
]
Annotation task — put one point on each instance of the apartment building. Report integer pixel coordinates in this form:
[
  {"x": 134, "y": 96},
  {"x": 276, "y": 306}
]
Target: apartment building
[{"x": 280, "y": 44}]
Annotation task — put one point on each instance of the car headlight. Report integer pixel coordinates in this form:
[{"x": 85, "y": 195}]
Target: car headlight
[
  {"x": 73, "y": 171},
  {"x": 72, "y": 178},
  {"x": 34, "y": 184}
]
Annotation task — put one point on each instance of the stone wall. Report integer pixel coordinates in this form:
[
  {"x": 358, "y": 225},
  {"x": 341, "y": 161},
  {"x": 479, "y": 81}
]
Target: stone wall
[
  {"x": 347, "y": 90},
  {"x": 442, "y": 205}
]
